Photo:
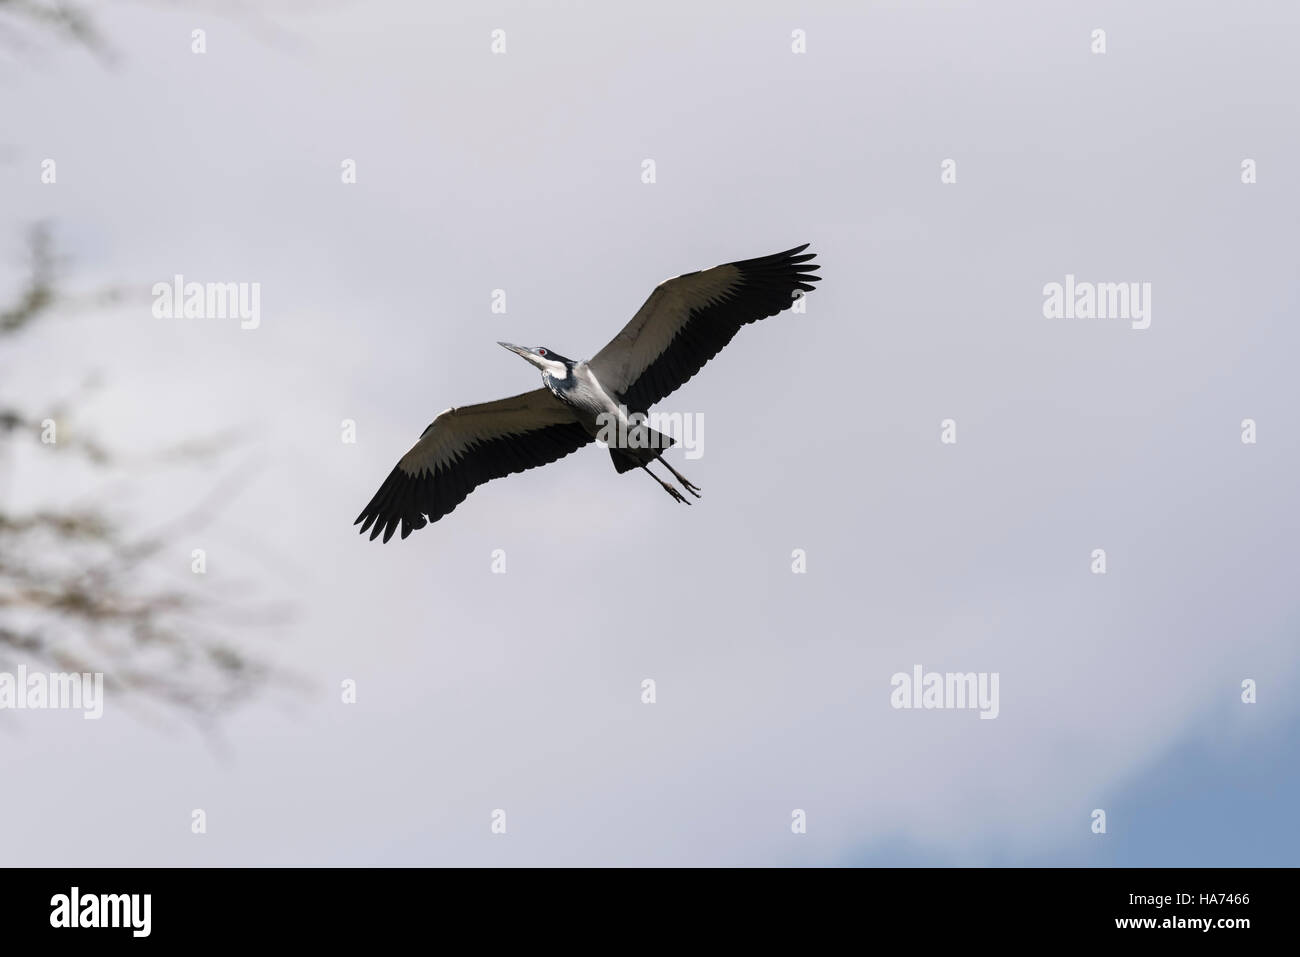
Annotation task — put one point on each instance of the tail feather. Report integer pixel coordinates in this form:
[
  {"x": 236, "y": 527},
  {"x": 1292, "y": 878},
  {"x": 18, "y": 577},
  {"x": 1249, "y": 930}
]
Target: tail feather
[{"x": 643, "y": 446}]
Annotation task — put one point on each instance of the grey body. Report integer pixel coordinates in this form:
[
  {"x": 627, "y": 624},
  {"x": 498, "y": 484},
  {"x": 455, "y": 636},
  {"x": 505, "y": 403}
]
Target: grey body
[
  {"x": 580, "y": 390},
  {"x": 575, "y": 384}
]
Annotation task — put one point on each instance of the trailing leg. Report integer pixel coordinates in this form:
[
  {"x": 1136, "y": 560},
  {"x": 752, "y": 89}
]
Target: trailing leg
[
  {"x": 671, "y": 490},
  {"x": 686, "y": 484}
]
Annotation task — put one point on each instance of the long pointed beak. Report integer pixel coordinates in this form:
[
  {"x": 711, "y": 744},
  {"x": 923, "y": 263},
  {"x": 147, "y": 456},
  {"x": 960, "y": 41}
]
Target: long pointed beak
[{"x": 517, "y": 350}]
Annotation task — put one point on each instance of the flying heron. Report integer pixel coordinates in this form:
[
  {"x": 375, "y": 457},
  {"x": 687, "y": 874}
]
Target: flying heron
[{"x": 685, "y": 323}]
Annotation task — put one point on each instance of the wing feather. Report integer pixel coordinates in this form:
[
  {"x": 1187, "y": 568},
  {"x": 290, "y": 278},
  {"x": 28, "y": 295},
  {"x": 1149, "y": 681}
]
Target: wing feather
[
  {"x": 688, "y": 320},
  {"x": 465, "y": 447}
]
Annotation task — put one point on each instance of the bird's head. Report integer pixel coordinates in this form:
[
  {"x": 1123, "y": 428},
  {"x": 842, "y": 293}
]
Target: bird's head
[{"x": 552, "y": 363}]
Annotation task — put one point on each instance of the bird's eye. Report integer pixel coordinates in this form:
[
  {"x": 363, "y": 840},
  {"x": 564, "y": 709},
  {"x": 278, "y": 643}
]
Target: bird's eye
[{"x": 541, "y": 352}]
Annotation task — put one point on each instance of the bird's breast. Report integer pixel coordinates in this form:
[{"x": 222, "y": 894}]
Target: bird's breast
[{"x": 583, "y": 393}]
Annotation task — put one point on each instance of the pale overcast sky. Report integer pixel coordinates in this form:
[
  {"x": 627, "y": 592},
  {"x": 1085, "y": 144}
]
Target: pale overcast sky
[{"x": 522, "y": 171}]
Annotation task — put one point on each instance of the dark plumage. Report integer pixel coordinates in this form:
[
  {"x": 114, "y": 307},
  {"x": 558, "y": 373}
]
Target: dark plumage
[{"x": 685, "y": 323}]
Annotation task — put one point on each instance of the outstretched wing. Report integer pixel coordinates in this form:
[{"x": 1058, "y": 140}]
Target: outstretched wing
[
  {"x": 463, "y": 448},
  {"x": 687, "y": 320}
]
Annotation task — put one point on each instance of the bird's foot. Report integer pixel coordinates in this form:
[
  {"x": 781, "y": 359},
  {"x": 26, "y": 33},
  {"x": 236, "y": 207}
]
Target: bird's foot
[
  {"x": 671, "y": 490},
  {"x": 683, "y": 480}
]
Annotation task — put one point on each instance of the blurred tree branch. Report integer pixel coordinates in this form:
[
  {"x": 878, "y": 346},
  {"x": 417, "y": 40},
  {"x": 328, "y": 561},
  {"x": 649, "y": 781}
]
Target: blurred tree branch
[
  {"x": 66, "y": 20},
  {"x": 77, "y": 591}
]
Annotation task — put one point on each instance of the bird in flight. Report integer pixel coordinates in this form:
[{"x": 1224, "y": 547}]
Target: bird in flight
[{"x": 685, "y": 323}]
